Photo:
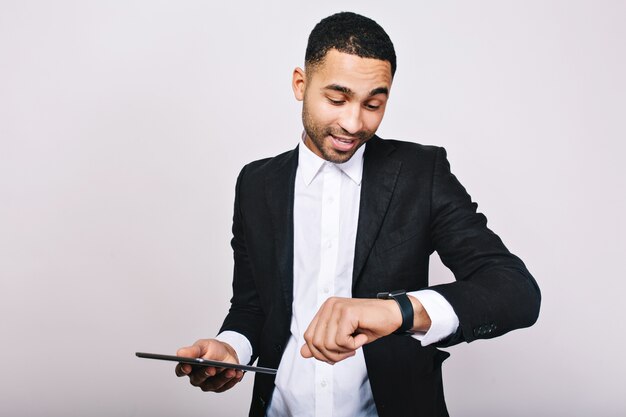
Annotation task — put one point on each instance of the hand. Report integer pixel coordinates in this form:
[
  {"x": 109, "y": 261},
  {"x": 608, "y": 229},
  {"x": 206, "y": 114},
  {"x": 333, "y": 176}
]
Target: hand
[
  {"x": 342, "y": 325},
  {"x": 210, "y": 378}
]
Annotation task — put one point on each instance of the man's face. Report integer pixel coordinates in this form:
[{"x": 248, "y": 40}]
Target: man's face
[{"x": 344, "y": 99}]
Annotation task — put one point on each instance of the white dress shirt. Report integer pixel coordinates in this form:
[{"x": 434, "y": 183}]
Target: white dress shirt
[{"x": 326, "y": 211}]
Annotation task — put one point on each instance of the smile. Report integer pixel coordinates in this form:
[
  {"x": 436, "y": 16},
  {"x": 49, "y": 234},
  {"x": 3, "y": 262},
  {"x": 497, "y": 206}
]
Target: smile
[{"x": 343, "y": 144}]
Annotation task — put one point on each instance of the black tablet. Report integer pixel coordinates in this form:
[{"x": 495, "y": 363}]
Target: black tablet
[{"x": 205, "y": 362}]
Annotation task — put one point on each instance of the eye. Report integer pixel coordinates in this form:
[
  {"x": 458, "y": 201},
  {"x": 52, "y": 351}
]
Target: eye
[
  {"x": 335, "y": 102},
  {"x": 372, "y": 106}
]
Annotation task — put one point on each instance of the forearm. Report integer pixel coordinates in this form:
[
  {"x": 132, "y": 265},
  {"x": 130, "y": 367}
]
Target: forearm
[{"x": 493, "y": 292}]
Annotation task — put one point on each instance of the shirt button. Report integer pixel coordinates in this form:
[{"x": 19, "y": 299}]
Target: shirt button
[
  {"x": 326, "y": 290},
  {"x": 323, "y": 383},
  {"x": 329, "y": 244}
]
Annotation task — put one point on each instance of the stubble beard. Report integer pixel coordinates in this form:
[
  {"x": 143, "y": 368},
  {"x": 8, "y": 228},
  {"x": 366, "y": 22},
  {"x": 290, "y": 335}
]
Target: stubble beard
[{"x": 317, "y": 134}]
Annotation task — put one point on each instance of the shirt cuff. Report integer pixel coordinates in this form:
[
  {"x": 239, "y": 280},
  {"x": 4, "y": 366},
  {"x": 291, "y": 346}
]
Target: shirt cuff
[
  {"x": 444, "y": 320},
  {"x": 239, "y": 343}
]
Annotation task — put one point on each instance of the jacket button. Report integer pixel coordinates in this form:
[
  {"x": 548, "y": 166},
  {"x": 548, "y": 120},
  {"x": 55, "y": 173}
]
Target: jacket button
[{"x": 278, "y": 348}]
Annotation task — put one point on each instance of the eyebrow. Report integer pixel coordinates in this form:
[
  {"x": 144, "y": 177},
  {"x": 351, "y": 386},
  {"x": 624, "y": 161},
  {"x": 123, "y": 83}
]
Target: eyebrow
[{"x": 347, "y": 91}]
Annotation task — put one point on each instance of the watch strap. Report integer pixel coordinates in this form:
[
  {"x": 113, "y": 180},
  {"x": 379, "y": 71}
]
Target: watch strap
[{"x": 406, "y": 308}]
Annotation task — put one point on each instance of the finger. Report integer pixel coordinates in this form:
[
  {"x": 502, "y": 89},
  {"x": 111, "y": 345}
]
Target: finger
[
  {"x": 310, "y": 330},
  {"x": 338, "y": 357},
  {"x": 182, "y": 369},
  {"x": 187, "y": 352},
  {"x": 308, "y": 349},
  {"x": 214, "y": 383},
  {"x": 329, "y": 344},
  {"x": 334, "y": 353},
  {"x": 327, "y": 332},
  {"x": 198, "y": 376},
  {"x": 359, "y": 340},
  {"x": 315, "y": 353},
  {"x": 201, "y": 373},
  {"x": 346, "y": 330},
  {"x": 316, "y": 347},
  {"x": 228, "y": 385},
  {"x": 316, "y": 334},
  {"x": 319, "y": 337},
  {"x": 334, "y": 356},
  {"x": 230, "y": 373},
  {"x": 306, "y": 352},
  {"x": 211, "y": 371}
]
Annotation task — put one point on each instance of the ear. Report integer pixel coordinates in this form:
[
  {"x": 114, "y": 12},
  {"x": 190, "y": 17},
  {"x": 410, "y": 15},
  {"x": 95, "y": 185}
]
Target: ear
[{"x": 298, "y": 83}]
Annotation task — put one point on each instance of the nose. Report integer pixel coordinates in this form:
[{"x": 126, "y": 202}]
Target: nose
[{"x": 350, "y": 120}]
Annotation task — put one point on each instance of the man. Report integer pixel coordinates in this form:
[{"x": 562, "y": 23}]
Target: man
[{"x": 320, "y": 231}]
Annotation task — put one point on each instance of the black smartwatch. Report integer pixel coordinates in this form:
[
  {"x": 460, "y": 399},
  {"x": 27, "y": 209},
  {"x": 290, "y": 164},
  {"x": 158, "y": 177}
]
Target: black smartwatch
[{"x": 406, "y": 308}]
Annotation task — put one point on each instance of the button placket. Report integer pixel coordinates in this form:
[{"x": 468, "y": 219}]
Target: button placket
[
  {"x": 326, "y": 279},
  {"x": 329, "y": 231}
]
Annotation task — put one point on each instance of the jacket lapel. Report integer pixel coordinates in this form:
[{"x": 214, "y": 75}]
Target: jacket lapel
[
  {"x": 279, "y": 191},
  {"x": 380, "y": 173}
]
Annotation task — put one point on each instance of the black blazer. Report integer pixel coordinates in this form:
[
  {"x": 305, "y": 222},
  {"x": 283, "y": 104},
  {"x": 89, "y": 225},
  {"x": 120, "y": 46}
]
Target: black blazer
[{"x": 411, "y": 205}]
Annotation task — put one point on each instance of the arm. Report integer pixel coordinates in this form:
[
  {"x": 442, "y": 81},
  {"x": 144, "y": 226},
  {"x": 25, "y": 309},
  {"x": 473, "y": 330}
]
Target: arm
[
  {"x": 342, "y": 325},
  {"x": 493, "y": 293},
  {"x": 241, "y": 326},
  {"x": 245, "y": 315}
]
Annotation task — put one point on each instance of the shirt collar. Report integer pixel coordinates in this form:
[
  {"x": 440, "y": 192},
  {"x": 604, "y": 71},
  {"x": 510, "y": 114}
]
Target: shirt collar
[{"x": 309, "y": 164}]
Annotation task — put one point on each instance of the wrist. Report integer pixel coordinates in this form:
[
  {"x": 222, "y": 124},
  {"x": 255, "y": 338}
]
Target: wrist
[
  {"x": 421, "y": 319},
  {"x": 395, "y": 315}
]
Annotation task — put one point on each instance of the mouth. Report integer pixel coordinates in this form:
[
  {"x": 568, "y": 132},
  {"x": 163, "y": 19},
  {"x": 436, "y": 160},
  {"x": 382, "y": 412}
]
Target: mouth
[{"x": 343, "y": 144}]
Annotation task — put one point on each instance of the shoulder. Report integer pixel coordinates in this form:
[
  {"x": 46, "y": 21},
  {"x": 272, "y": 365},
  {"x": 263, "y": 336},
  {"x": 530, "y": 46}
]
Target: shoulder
[
  {"x": 406, "y": 152},
  {"x": 400, "y": 148},
  {"x": 272, "y": 163},
  {"x": 257, "y": 171}
]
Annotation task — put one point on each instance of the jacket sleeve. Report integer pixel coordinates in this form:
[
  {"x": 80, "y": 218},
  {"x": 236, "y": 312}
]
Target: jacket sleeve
[
  {"x": 493, "y": 293},
  {"x": 245, "y": 315}
]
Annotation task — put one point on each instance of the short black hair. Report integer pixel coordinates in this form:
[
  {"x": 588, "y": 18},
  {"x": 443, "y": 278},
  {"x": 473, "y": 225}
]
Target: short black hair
[{"x": 350, "y": 33}]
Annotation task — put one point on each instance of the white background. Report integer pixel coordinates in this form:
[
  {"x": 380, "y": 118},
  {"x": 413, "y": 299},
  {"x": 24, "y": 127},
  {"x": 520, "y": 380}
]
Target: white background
[{"x": 123, "y": 125}]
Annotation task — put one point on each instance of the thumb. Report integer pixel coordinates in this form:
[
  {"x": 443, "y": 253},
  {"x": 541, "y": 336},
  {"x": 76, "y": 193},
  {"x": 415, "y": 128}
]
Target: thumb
[
  {"x": 359, "y": 340},
  {"x": 189, "y": 352},
  {"x": 214, "y": 349}
]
